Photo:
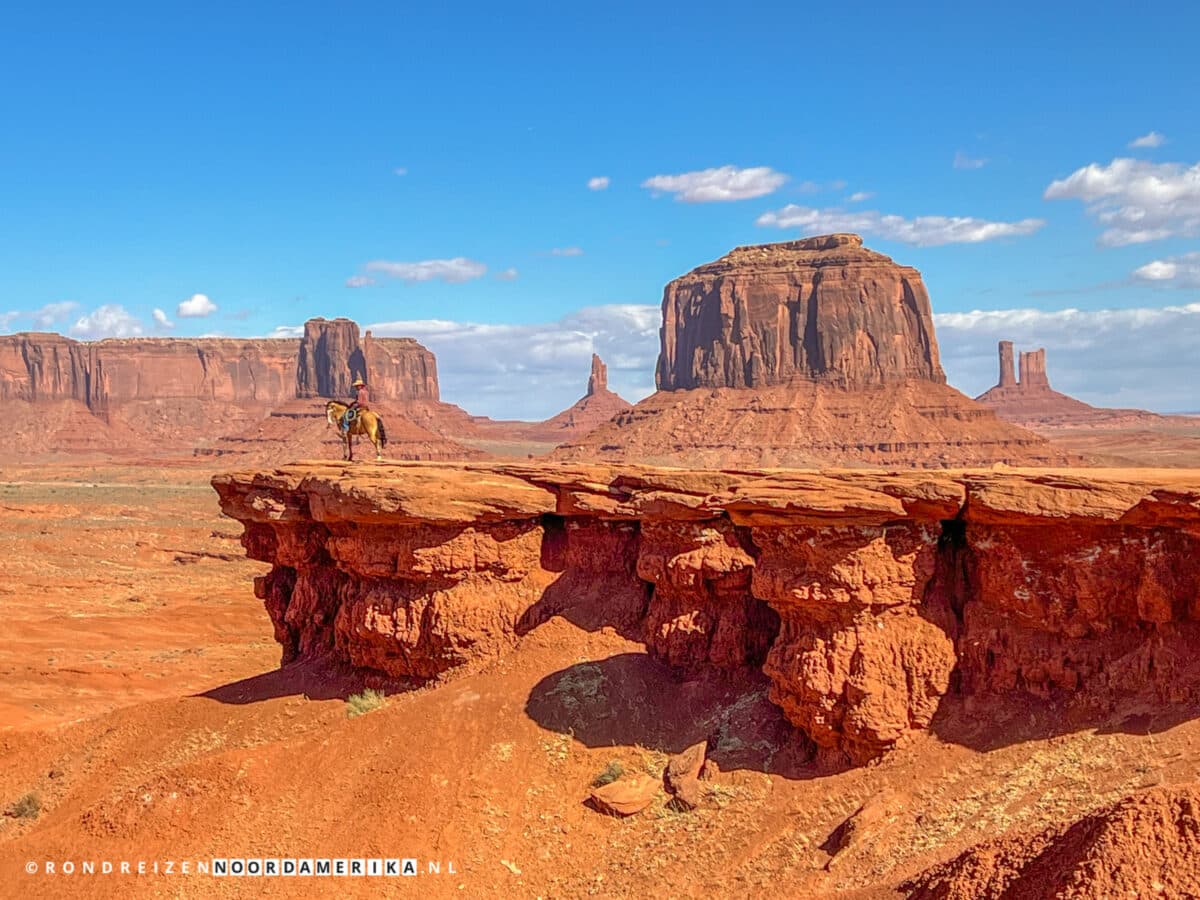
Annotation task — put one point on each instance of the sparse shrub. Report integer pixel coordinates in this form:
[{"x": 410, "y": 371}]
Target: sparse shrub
[
  {"x": 357, "y": 704},
  {"x": 27, "y": 807},
  {"x": 611, "y": 773}
]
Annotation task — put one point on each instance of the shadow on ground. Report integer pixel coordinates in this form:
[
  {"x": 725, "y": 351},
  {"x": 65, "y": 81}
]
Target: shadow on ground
[
  {"x": 304, "y": 679},
  {"x": 632, "y": 700}
]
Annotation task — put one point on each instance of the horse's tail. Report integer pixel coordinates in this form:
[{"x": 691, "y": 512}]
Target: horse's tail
[{"x": 382, "y": 432}]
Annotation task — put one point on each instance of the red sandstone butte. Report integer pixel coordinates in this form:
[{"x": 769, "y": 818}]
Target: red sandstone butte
[
  {"x": 822, "y": 308},
  {"x": 865, "y": 597},
  {"x": 805, "y": 353}
]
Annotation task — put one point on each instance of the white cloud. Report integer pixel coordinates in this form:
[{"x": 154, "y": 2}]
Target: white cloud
[
  {"x": 1136, "y": 201},
  {"x": 286, "y": 331},
  {"x": 1141, "y": 357},
  {"x": 7, "y": 318},
  {"x": 196, "y": 307},
  {"x": 451, "y": 271},
  {"x": 962, "y": 161},
  {"x": 161, "y": 320},
  {"x": 716, "y": 185},
  {"x": 860, "y": 196},
  {"x": 1174, "y": 271},
  {"x": 358, "y": 281},
  {"x": 53, "y": 312},
  {"x": 567, "y": 251},
  {"x": 110, "y": 320},
  {"x": 535, "y": 371},
  {"x": 599, "y": 183},
  {"x": 1153, "y": 139},
  {"x": 507, "y": 275},
  {"x": 400, "y": 170},
  {"x": 922, "y": 231}
]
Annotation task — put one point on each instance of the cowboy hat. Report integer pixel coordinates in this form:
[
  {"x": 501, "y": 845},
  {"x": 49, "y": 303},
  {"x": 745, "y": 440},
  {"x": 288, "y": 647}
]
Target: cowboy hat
[{"x": 358, "y": 382}]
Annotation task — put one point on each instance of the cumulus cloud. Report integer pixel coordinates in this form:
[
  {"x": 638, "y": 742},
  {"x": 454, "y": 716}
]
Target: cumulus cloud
[
  {"x": 718, "y": 185},
  {"x": 286, "y": 331},
  {"x": 1174, "y": 271},
  {"x": 7, "y": 318},
  {"x": 400, "y": 170},
  {"x": 358, "y": 281},
  {"x": 534, "y": 371},
  {"x": 567, "y": 251},
  {"x": 1141, "y": 357},
  {"x": 507, "y": 275},
  {"x": 860, "y": 196},
  {"x": 451, "y": 271},
  {"x": 962, "y": 161},
  {"x": 599, "y": 183},
  {"x": 53, "y": 312},
  {"x": 1151, "y": 140},
  {"x": 1136, "y": 201},
  {"x": 922, "y": 231},
  {"x": 161, "y": 320},
  {"x": 110, "y": 320},
  {"x": 196, "y": 306}
]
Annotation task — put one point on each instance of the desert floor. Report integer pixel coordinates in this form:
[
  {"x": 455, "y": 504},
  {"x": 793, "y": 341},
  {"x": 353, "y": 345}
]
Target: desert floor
[{"x": 144, "y": 708}]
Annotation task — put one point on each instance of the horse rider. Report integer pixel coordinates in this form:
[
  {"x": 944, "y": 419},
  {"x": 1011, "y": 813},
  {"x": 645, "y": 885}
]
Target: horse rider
[{"x": 359, "y": 404}]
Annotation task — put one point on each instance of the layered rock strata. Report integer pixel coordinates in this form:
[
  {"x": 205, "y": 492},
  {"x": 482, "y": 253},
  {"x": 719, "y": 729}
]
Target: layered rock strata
[
  {"x": 809, "y": 352},
  {"x": 866, "y": 597},
  {"x": 821, "y": 308}
]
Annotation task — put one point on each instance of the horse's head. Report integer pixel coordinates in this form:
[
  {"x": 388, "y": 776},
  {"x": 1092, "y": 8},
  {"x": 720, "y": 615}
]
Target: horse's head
[{"x": 331, "y": 412}]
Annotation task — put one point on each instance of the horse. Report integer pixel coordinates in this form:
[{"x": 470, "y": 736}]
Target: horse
[{"x": 366, "y": 422}]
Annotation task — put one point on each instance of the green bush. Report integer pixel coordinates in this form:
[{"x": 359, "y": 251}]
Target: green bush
[
  {"x": 611, "y": 773},
  {"x": 357, "y": 704}
]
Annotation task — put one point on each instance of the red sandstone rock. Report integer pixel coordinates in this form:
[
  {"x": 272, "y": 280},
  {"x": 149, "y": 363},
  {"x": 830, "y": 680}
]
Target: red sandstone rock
[
  {"x": 1147, "y": 845},
  {"x": 598, "y": 380},
  {"x": 822, "y": 308},
  {"x": 626, "y": 796},
  {"x": 804, "y": 353},
  {"x": 330, "y": 359},
  {"x": 596, "y": 407},
  {"x": 858, "y": 594},
  {"x": 804, "y": 424},
  {"x": 685, "y": 766},
  {"x": 1033, "y": 404},
  {"x": 400, "y": 369}
]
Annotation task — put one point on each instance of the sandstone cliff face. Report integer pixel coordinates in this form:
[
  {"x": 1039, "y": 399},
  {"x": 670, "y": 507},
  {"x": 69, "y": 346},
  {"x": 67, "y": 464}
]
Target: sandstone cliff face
[
  {"x": 42, "y": 367},
  {"x": 330, "y": 359},
  {"x": 822, "y": 308},
  {"x": 208, "y": 369},
  {"x": 866, "y": 598},
  {"x": 400, "y": 369},
  {"x": 102, "y": 374}
]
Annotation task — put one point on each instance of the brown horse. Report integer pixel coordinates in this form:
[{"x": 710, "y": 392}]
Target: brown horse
[{"x": 366, "y": 422}]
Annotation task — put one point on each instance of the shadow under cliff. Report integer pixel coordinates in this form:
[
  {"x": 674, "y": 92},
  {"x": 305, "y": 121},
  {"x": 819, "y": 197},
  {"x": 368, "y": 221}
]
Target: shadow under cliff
[
  {"x": 311, "y": 680},
  {"x": 630, "y": 699}
]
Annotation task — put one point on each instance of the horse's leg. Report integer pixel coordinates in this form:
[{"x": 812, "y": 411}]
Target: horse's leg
[{"x": 375, "y": 441}]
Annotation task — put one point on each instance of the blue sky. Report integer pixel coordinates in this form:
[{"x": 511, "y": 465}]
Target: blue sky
[{"x": 265, "y": 157}]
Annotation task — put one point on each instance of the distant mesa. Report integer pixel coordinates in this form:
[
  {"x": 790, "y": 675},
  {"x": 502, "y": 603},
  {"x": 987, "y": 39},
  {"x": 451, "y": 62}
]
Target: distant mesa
[
  {"x": 800, "y": 353},
  {"x": 170, "y": 395}
]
